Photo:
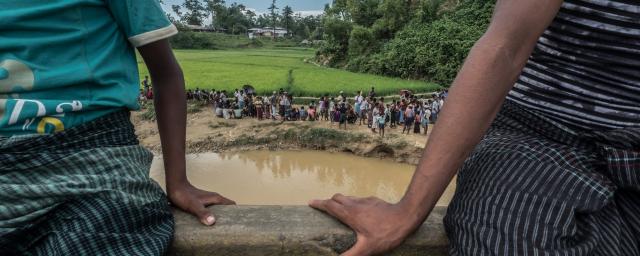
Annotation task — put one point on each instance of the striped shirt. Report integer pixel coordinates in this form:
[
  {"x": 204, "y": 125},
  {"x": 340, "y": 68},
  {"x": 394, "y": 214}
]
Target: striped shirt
[{"x": 585, "y": 69}]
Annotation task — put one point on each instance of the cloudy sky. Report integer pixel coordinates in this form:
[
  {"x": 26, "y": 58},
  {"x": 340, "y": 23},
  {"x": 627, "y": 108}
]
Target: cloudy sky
[{"x": 260, "y": 6}]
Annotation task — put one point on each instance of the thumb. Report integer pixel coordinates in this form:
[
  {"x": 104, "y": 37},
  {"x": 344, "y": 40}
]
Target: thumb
[{"x": 204, "y": 215}]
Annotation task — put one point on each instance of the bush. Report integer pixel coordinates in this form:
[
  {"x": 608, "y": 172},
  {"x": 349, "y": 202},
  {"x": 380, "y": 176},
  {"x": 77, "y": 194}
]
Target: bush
[{"x": 431, "y": 47}]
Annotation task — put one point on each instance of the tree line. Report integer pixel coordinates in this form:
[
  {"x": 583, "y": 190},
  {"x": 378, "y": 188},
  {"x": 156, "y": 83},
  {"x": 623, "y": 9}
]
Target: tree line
[
  {"x": 413, "y": 39},
  {"x": 237, "y": 19}
]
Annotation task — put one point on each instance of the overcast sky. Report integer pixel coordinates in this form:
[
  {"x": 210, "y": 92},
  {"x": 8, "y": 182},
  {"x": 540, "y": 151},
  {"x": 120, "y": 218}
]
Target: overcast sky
[{"x": 260, "y": 6}]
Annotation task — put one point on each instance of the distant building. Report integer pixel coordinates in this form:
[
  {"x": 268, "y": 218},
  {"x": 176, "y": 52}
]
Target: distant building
[{"x": 267, "y": 32}]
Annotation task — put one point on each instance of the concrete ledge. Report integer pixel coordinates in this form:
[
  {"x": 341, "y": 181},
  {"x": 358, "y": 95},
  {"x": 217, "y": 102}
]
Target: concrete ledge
[{"x": 287, "y": 230}]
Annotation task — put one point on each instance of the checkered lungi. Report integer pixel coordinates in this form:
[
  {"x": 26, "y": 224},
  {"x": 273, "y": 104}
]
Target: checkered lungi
[
  {"x": 536, "y": 187},
  {"x": 84, "y": 191}
]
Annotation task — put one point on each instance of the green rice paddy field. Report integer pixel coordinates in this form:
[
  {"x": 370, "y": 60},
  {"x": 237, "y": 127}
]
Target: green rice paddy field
[{"x": 268, "y": 70}]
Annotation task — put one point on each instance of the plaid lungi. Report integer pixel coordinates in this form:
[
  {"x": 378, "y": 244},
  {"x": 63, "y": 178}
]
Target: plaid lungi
[
  {"x": 84, "y": 191},
  {"x": 536, "y": 187}
]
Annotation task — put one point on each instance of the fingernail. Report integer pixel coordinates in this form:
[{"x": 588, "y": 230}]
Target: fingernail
[{"x": 210, "y": 220}]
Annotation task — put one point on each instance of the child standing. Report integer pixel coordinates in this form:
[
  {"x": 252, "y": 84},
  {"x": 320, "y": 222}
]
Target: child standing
[
  {"x": 376, "y": 115},
  {"x": 383, "y": 119}
]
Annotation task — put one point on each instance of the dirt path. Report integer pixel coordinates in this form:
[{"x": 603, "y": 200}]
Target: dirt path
[{"x": 207, "y": 133}]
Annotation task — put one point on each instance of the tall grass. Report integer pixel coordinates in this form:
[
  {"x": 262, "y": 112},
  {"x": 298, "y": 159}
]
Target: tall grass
[{"x": 271, "y": 69}]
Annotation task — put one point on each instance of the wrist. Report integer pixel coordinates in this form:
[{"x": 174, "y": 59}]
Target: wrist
[
  {"x": 177, "y": 184},
  {"x": 415, "y": 210}
]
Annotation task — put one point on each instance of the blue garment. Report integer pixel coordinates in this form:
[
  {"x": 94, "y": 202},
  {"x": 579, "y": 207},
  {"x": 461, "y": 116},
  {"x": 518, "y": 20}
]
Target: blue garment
[{"x": 67, "y": 62}]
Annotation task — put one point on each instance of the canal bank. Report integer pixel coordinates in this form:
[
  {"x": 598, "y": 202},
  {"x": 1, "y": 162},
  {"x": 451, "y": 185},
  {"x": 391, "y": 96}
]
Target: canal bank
[{"x": 209, "y": 134}]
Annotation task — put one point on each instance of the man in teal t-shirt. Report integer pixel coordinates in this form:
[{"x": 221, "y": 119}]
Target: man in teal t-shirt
[
  {"x": 73, "y": 179},
  {"x": 75, "y": 70}
]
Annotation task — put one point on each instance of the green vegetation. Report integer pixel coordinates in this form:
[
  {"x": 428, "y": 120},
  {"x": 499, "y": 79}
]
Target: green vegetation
[
  {"x": 304, "y": 136},
  {"x": 237, "y": 19},
  {"x": 220, "y": 41},
  {"x": 420, "y": 39},
  {"x": 269, "y": 69},
  {"x": 415, "y": 40}
]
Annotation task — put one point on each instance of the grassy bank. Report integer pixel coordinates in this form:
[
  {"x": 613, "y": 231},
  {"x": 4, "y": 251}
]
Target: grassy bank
[{"x": 271, "y": 68}]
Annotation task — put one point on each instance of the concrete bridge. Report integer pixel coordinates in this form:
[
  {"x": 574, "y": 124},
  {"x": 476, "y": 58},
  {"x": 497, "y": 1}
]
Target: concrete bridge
[{"x": 287, "y": 230}]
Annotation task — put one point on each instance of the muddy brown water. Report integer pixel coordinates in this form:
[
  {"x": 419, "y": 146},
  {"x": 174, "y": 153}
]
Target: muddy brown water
[{"x": 295, "y": 177}]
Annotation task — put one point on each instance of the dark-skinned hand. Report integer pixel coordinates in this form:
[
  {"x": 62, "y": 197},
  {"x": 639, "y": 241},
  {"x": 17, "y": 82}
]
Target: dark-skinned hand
[
  {"x": 194, "y": 201},
  {"x": 379, "y": 226}
]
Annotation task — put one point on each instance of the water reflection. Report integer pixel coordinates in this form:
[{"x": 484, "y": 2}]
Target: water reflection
[{"x": 293, "y": 177}]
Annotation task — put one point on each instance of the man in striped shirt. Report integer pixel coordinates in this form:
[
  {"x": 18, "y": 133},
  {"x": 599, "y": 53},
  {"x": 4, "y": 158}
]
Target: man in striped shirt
[{"x": 553, "y": 163}]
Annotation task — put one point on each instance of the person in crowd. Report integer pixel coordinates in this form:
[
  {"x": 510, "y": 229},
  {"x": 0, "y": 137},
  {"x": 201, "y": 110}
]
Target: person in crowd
[
  {"x": 303, "y": 114},
  {"x": 408, "y": 120},
  {"x": 237, "y": 111},
  {"x": 312, "y": 113},
  {"x": 267, "y": 107},
  {"x": 325, "y": 113},
  {"x": 372, "y": 93},
  {"x": 352, "y": 117},
  {"x": 358, "y": 101},
  {"x": 285, "y": 105},
  {"x": 392, "y": 114},
  {"x": 383, "y": 119},
  {"x": 150, "y": 93},
  {"x": 321, "y": 108},
  {"x": 417, "y": 122},
  {"x": 372, "y": 106},
  {"x": 375, "y": 113},
  {"x": 282, "y": 100},
  {"x": 426, "y": 116},
  {"x": 341, "y": 98},
  {"x": 364, "y": 111},
  {"x": 236, "y": 94},
  {"x": 240, "y": 99},
  {"x": 258, "y": 103},
  {"x": 401, "y": 112},
  {"x": 332, "y": 110},
  {"x": 146, "y": 84},
  {"x": 273, "y": 101},
  {"x": 141, "y": 98},
  {"x": 435, "y": 108},
  {"x": 342, "y": 115}
]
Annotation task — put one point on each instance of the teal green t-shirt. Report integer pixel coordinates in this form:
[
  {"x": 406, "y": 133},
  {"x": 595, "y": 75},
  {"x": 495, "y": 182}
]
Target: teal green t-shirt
[{"x": 66, "y": 62}]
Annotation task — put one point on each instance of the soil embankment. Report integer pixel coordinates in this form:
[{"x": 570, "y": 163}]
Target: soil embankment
[{"x": 207, "y": 133}]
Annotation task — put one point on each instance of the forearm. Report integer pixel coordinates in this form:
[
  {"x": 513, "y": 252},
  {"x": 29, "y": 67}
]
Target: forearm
[
  {"x": 171, "y": 112},
  {"x": 475, "y": 97},
  {"x": 170, "y": 105}
]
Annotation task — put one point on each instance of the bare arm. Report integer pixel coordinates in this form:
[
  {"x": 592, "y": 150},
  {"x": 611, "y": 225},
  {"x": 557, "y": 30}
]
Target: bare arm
[
  {"x": 477, "y": 93},
  {"x": 491, "y": 70},
  {"x": 170, "y": 104}
]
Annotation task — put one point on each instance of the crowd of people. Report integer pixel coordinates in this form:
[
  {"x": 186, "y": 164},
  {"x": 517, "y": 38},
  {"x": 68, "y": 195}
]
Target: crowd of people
[{"x": 413, "y": 113}]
